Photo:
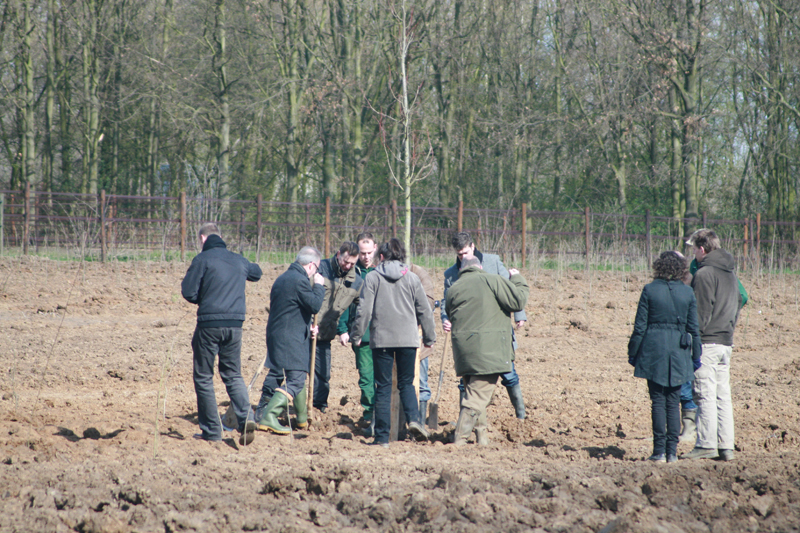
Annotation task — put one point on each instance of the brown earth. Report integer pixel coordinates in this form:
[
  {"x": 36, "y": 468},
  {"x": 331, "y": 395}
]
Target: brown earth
[{"x": 98, "y": 412}]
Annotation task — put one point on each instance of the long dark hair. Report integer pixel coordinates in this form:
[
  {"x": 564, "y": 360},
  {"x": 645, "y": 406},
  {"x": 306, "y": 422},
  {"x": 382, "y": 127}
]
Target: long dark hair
[
  {"x": 670, "y": 266},
  {"x": 393, "y": 251}
]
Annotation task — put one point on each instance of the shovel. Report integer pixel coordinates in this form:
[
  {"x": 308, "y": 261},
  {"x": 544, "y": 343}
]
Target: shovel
[
  {"x": 433, "y": 409},
  {"x": 310, "y": 386},
  {"x": 229, "y": 418}
]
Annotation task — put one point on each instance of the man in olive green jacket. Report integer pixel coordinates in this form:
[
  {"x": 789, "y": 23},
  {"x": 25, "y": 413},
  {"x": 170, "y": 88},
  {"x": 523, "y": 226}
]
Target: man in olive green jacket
[{"x": 479, "y": 307}]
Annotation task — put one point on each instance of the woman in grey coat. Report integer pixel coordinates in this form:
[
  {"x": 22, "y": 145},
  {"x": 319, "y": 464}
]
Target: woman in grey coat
[{"x": 665, "y": 348}]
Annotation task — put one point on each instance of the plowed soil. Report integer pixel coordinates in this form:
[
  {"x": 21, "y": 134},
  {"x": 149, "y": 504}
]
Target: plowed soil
[{"x": 98, "y": 412}]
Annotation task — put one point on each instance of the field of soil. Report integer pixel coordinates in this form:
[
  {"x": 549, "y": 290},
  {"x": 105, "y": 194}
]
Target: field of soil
[{"x": 98, "y": 412}]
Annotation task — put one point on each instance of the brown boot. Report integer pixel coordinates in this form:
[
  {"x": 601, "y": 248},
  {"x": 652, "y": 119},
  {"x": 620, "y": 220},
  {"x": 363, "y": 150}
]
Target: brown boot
[{"x": 466, "y": 421}]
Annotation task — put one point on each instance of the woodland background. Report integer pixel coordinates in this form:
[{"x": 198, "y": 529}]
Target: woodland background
[{"x": 677, "y": 107}]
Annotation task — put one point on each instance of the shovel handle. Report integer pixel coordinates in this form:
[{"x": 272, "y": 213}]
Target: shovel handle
[
  {"x": 441, "y": 370},
  {"x": 310, "y": 388}
]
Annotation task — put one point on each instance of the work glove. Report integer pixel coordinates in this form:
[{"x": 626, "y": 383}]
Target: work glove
[{"x": 696, "y": 364}]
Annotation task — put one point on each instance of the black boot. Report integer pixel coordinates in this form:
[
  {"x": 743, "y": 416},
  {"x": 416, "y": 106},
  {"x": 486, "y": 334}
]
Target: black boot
[{"x": 515, "y": 395}]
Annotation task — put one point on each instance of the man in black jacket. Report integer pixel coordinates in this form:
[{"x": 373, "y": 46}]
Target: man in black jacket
[
  {"x": 293, "y": 300},
  {"x": 215, "y": 282}
]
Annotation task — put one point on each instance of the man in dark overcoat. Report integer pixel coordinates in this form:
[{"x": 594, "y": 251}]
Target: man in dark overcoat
[
  {"x": 478, "y": 306},
  {"x": 216, "y": 282},
  {"x": 293, "y": 300}
]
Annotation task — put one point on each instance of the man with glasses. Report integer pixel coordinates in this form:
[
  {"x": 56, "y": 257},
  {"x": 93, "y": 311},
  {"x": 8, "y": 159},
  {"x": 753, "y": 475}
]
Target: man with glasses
[
  {"x": 293, "y": 300},
  {"x": 342, "y": 286},
  {"x": 491, "y": 264}
]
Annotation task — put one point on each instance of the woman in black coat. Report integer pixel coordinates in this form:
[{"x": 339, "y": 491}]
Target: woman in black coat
[{"x": 665, "y": 348}]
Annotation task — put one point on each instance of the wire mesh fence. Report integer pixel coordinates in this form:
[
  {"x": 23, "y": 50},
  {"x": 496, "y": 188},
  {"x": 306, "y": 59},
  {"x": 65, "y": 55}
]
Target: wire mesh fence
[{"x": 117, "y": 227}]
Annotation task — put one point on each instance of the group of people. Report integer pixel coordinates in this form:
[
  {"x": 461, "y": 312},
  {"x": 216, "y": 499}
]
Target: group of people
[
  {"x": 681, "y": 344},
  {"x": 372, "y": 298}
]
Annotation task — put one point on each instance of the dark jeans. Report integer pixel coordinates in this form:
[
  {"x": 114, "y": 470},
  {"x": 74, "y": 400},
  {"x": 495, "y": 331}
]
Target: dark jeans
[
  {"x": 666, "y": 415},
  {"x": 687, "y": 397},
  {"x": 207, "y": 343},
  {"x": 383, "y": 359},
  {"x": 508, "y": 380},
  {"x": 295, "y": 381},
  {"x": 322, "y": 374}
]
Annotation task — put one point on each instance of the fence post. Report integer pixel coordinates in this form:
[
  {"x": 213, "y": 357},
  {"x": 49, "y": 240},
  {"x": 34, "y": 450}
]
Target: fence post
[
  {"x": 648, "y": 242},
  {"x": 705, "y": 219},
  {"x": 524, "y": 231},
  {"x": 2, "y": 221},
  {"x": 183, "y": 226},
  {"x": 460, "y": 216},
  {"x": 327, "y": 226},
  {"x": 503, "y": 238},
  {"x": 478, "y": 233},
  {"x": 259, "y": 200},
  {"x": 744, "y": 245},
  {"x": 394, "y": 219},
  {"x": 758, "y": 235},
  {"x": 588, "y": 236},
  {"x": 103, "y": 239},
  {"x": 26, "y": 227},
  {"x": 241, "y": 230}
]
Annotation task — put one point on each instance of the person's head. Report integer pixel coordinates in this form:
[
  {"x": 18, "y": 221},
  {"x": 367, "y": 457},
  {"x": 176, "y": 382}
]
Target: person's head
[
  {"x": 392, "y": 251},
  {"x": 366, "y": 249},
  {"x": 670, "y": 266},
  {"x": 347, "y": 256},
  {"x": 704, "y": 242},
  {"x": 472, "y": 261},
  {"x": 463, "y": 245},
  {"x": 308, "y": 257},
  {"x": 209, "y": 228}
]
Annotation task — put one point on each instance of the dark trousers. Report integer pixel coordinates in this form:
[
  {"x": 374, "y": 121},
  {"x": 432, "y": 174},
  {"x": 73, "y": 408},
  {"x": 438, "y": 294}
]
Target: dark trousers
[
  {"x": 295, "y": 381},
  {"x": 322, "y": 374},
  {"x": 666, "y": 415},
  {"x": 383, "y": 360},
  {"x": 207, "y": 343}
]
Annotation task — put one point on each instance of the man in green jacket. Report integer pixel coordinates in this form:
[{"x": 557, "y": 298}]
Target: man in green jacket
[{"x": 478, "y": 306}]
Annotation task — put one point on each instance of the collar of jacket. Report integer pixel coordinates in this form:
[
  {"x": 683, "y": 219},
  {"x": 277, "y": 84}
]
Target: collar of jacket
[
  {"x": 477, "y": 254},
  {"x": 213, "y": 241},
  {"x": 470, "y": 270},
  {"x": 299, "y": 267}
]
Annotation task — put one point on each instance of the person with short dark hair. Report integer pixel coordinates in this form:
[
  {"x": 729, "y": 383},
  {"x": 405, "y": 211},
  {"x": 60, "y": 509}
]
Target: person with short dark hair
[
  {"x": 293, "y": 300},
  {"x": 665, "y": 348},
  {"x": 342, "y": 286},
  {"x": 215, "y": 281},
  {"x": 479, "y": 305},
  {"x": 491, "y": 264},
  {"x": 718, "y": 302},
  {"x": 392, "y": 305}
]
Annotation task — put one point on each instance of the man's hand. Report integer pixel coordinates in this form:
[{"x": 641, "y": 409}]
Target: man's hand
[
  {"x": 512, "y": 271},
  {"x": 318, "y": 279},
  {"x": 446, "y": 325},
  {"x": 357, "y": 343},
  {"x": 344, "y": 338},
  {"x": 520, "y": 324},
  {"x": 314, "y": 331}
]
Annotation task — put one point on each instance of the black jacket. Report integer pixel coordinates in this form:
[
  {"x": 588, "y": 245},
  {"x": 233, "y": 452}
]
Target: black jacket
[
  {"x": 666, "y": 310},
  {"x": 292, "y": 302},
  {"x": 215, "y": 282}
]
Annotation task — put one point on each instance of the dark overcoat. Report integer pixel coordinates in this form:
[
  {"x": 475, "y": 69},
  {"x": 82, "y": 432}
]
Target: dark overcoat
[
  {"x": 292, "y": 303},
  {"x": 656, "y": 339}
]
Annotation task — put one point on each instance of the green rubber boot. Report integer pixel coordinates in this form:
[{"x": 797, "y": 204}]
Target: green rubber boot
[
  {"x": 269, "y": 418},
  {"x": 301, "y": 408}
]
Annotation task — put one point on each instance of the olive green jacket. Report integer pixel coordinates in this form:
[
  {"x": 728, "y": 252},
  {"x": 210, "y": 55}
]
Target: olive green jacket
[{"x": 479, "y": 307}]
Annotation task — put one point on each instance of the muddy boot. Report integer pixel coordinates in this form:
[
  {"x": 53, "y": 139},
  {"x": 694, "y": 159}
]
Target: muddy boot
[
  {"x": 301, "y": 408},
  {"x": 689, "y": 432},
  {"x": 515, "y": 395},
  {"x": 482, "y": 430},
  {"x": 423, "y": 412},
  {"x": 466, "y": 421},
  {"x": 274, "y": 409}
]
